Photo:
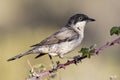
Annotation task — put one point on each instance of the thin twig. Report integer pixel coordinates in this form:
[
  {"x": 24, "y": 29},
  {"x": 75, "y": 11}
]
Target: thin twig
[
  {"x": 32, "y": 69},
  {"x": 116, "y": 41},
  {"x": 29, "y": 64}
]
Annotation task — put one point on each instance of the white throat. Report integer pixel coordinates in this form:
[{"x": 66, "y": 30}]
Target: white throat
[{"x": 79, "y": 26}]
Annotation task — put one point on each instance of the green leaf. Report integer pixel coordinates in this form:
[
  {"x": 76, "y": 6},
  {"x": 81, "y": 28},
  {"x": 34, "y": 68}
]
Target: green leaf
[
  {"x": 115, "y": 30},
  {"x": 31, "y": 73},
  {"x": 87, "y": 52},
  {"x": 40, "y": 67},
  {"x": 84, "y": 50}
]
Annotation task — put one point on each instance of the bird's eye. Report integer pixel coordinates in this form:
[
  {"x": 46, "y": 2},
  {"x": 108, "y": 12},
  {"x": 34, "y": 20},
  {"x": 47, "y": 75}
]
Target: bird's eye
[{"x": 80, "y": 18}]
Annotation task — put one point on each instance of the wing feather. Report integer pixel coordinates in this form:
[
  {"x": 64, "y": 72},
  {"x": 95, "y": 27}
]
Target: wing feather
[{"x": 58, "y": 37}]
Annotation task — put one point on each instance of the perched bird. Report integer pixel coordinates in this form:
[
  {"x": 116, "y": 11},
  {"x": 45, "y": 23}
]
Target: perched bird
[{"x": 61, "y": 42}]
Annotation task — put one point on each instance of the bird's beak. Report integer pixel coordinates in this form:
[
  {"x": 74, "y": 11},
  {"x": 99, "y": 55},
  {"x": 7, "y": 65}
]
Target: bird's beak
[{"x": 90, "y": 19}]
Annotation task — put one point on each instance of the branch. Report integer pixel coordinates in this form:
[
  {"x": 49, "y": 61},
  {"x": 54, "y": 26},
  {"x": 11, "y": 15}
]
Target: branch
[
  {"x": 116, "y": 41},
  {"x": 75, "y": 61}
]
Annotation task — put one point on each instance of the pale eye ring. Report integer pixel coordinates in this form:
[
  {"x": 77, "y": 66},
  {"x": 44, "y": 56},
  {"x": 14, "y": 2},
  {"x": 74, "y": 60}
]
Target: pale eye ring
[{"x": 80, "y": 18}]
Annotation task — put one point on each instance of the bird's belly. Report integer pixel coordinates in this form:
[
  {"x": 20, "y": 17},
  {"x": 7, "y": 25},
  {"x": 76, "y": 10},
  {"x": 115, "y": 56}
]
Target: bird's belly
[
  {"x": 68, "y": 46},
  {"x": 61, "y": 48}
]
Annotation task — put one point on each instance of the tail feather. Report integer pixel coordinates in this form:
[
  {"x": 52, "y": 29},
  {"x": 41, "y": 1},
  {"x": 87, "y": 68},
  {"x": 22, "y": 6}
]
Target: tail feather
[
  {"x": 20, "y": 55},
  {"x": 41, "y": 54}
]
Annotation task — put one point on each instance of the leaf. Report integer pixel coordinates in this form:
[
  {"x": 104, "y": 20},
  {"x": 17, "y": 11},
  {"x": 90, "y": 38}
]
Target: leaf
[
  {"x": 31, "y": 73},
  {"x": 115, "y": 30},
  {"x": 84, "y": 51},
  {"x": 87, "y": 52},
  {"x": 40, "y": 67}
]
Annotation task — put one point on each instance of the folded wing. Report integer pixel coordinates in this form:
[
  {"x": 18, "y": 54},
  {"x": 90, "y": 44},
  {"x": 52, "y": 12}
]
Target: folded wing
[{"x": 62, "y": 35}]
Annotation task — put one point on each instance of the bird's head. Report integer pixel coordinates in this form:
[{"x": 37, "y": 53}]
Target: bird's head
[{"x": 79, "y": 21}]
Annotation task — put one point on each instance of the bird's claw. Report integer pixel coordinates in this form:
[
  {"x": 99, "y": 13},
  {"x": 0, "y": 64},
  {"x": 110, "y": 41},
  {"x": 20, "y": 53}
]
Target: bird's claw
[
  {"x": 60, "y": 65},
  {"x": 54, "y": 68},
  {"x": 76, "y": 59}
]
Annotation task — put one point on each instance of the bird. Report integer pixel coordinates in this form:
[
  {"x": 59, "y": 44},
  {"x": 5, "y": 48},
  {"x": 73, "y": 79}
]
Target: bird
[{"x": 65, "y": 40}]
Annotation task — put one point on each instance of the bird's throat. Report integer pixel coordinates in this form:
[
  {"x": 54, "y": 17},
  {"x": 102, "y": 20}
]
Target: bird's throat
[{"x": 79, "y": 27}]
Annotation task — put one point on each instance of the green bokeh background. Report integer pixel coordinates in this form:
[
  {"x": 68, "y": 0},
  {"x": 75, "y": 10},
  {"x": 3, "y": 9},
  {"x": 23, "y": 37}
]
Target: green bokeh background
[{"x": 26, "y": 22}]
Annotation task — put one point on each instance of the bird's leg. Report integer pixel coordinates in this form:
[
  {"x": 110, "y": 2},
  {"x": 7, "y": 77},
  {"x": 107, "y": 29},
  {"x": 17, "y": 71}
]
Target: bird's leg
[{"x": 53, "y": 65}]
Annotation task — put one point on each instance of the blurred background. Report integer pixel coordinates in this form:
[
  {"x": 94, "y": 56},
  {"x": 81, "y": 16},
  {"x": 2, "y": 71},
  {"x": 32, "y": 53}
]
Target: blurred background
[{"x": 26, "y": 22}]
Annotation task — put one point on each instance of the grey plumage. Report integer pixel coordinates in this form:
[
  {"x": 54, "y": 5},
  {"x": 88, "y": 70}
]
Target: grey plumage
[
  {"x": 63, "y": 41},
  {"x": 20, "y": 55},
  {"x": 64, "y": 34}
]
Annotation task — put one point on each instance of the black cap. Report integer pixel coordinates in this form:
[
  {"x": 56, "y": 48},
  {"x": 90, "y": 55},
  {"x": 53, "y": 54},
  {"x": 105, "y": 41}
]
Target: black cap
[{"x": 79, "y": 17}]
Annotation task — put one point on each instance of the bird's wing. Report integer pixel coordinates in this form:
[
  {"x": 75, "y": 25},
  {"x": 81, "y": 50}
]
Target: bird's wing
[{"x": 62, "y": 35}]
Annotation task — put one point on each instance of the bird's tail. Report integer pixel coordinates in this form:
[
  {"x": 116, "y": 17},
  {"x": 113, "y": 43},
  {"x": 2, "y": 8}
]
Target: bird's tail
[{"x": 20, "y": 55}]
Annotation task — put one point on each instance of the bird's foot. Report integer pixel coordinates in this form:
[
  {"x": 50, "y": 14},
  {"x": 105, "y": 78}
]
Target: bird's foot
[
  {"x": 53, "y": 67},
  {"x": 60, "y": 65},
  {"x": 76, "y": 59}
]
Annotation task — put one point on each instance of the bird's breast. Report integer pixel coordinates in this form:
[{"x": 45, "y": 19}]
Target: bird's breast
[
  {"x": 69, "y": 46},
  {"x": 61, "y": 48}
]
